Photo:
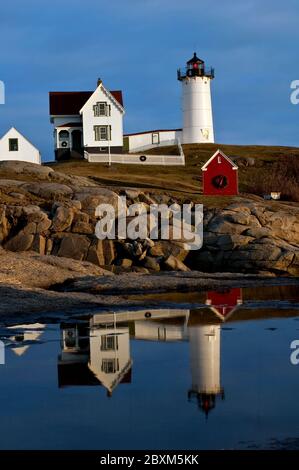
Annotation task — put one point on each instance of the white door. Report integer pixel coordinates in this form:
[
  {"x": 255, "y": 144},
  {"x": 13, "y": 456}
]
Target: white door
[{"x": 155, "y": 138}]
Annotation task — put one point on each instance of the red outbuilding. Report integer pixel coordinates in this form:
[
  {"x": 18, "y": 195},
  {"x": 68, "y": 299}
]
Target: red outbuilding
[
  {"x": 225, "y": 303},
  {"x": 220, "y": 176}
]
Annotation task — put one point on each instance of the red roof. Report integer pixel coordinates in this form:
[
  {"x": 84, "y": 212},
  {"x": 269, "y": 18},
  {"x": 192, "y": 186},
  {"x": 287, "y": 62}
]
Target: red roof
[
  {"x": 68, "y": 103},
  {"x": 118, "y": 95}
]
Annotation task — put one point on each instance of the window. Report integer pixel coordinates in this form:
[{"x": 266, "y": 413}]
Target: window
[
  {"x": 63, "y": 135},
  {"x": 102, "y": 132},
  {"x": 13, "y": 145},
  {"x": 110, "y": 366},
  {"x": 102, "y": 109},
  {"x": 109, "y": 343},
  {"x": 70, "y": 338},
  {"x": 155, "y": 138}
]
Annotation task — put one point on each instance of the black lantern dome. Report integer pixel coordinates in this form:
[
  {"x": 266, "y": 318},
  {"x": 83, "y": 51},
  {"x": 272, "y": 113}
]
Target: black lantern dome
[
  {"x": 195, "y": 60},
  {"x": 195, "y": 67}
]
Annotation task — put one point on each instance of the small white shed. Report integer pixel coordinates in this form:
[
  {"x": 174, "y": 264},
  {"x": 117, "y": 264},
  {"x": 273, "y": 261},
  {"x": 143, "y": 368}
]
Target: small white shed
[{"x": 14, "y": 146}]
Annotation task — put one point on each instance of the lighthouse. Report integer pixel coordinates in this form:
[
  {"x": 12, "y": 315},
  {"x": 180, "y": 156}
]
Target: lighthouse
[{"x": 196, "y": 102}]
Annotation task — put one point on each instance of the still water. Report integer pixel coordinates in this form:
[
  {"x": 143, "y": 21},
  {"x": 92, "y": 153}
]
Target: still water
[{"x": 218, "y": 376}]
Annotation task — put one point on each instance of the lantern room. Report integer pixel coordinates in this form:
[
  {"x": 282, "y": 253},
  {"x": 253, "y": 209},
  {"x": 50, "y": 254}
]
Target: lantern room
[{"x": 195, "y": 67}]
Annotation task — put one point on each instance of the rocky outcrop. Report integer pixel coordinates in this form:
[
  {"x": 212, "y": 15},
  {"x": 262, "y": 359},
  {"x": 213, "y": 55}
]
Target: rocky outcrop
[
  {"x": 51, "y": 213},
  {"x": 31, "y": 270},
  {"x": 249, "y": 236}
]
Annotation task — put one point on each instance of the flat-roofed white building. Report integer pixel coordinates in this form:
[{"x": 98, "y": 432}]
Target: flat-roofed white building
[{"x": 141, "y": 141}]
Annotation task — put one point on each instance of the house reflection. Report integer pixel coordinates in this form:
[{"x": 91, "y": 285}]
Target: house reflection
[
  {"x": 94, "y": 355},
  {"x": 163, "y": 325},
  {"x": 110, "y": 360},
  {"x": 21, "y": 337},
  {"x": 97, "y": 351}
]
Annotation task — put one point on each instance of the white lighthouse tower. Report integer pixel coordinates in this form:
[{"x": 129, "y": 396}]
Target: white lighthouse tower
[
  {"x": 205, "y": 365},
  {"x": 196, "y": 102}
]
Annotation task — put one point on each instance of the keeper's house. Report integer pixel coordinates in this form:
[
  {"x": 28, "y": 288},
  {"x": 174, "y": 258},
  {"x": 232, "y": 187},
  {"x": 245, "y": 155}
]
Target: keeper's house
[{"x": 87, "y": 122}]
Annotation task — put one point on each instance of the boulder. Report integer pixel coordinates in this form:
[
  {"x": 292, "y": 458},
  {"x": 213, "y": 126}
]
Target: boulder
[
  {"x": 139, "y": 270},
  {"x": 63, "y": 219},
  {"x": 101, "y": 252},
  {"x": 144, "y": 197},
  {"x": 39, "y": 244},
  {"x": 166, "y": 248},
  {"x": 132, "y": 194},
  {"x": 108, "y": 248},
  {"x": 81, "y": 224},
  {"x": 20, "y": 242},
  {"x": 49, "y": 246},
  {"x": 4, "y": 226},
  {"x": 151, "y": 263},
  {"x": 174, "y": 264},
  {"x": 91, "y": 198},
  {"x": 74, "y": 246},
  {"x": 32, "y": 170},
  {"x": 125, "y": 263},
  {"x": 35, "y": 215},
  {"x": 48, "y": 191}
]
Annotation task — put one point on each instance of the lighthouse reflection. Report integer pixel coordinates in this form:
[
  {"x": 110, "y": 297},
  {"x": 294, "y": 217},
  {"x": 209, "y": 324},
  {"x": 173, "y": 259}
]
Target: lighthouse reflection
[
  {"x": 97, "y": 351},
  {"x": 205, "y": 349}
]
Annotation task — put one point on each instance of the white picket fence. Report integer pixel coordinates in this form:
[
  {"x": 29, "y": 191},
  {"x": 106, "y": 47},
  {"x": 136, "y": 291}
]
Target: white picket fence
[{"x": 139, "y": 159}]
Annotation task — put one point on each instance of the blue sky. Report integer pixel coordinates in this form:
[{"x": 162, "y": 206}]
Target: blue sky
[{"x": 137, "y": 45}]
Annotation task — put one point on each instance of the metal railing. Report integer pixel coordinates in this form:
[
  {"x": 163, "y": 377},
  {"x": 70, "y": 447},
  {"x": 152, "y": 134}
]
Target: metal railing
[{"x": 199, "y": 72}]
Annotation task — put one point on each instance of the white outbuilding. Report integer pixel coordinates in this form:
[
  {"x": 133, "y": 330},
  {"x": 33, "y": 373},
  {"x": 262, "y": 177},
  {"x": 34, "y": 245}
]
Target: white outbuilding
[{"x": 14, "y": 146}]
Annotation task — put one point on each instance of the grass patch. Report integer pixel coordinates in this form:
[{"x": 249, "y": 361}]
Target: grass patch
[{"x": 267, "y": 164}]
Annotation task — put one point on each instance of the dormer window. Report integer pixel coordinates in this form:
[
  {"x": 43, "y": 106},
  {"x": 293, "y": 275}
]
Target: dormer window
[{"x": 102, "y": 109}]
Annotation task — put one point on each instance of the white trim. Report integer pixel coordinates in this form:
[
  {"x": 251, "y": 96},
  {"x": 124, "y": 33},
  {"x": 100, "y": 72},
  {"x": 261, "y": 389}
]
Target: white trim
[
  {"x": 108, "y": 94},
  {"x": 114, "y": 100},
  {"x": 205, "y": 167},
  {"x": 219, "y": 314}
]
